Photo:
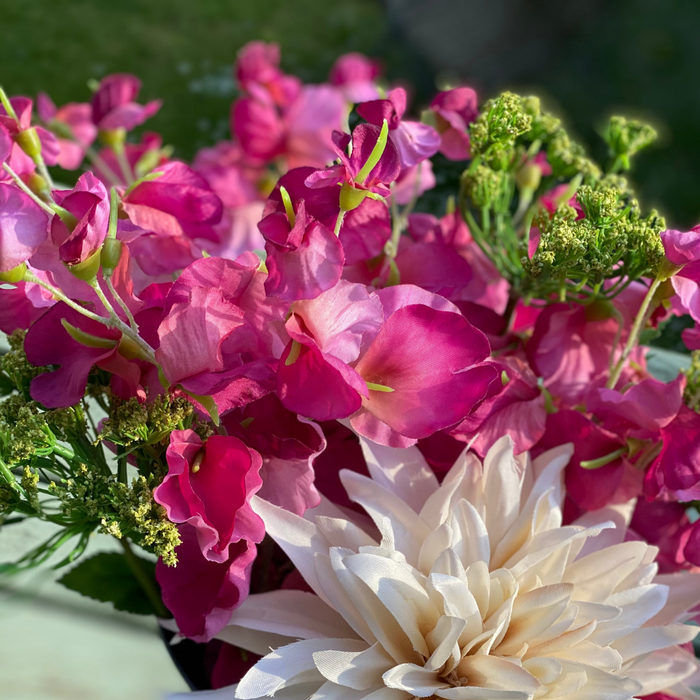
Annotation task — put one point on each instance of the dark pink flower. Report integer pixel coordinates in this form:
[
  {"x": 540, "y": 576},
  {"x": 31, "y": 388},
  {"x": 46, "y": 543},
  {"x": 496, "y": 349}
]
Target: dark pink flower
[
  {"x": 365, "y": 229},
  {"x": 303, "y": 259},
  {"x": 415, "y": 141},
  {"x": 691, "y": 337},
  {"x": 258, "y": 73},
  {"x": 355, "y": 75},
  {"x": 590, "y": 489},
  {"x": 209, "y": 486},
  {"x": 114, "y": 103},
  {"x": 677, "y": 468},
  {"x": 23, "y": 304},
  {"x": 23, "y": 227},
  {"x": 20, "y": 162},
  {"x": 5, "y": 144},
  {"x": 518, "y": 410},
  {"x": 147, "y": 151},
  {"x": 73, "y": 127},
  {"x": 455, "y": 110},
  {"x": 302, "y": 134},
  {"x": 88, "y": 202},
  {"x": 364, "y": 138},
  {"x": 200, "y": 593},
  {"x": 49, "y": 343},
  {"x": 413, "y": 182},
  {"x": 665, "y": 525},
  {"x": 424, "y": 351},
  {"x": 681, "y": 247}
]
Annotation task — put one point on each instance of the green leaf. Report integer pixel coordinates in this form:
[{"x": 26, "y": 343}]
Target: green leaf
[{"x": 108, "y": 578}]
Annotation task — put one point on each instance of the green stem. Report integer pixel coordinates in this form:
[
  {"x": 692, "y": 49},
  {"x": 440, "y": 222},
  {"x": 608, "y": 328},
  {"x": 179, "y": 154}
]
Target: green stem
[
  {"x": 602, "y": 461},
  {"x": 639, "y": 322},
  {"x": 44, "y": 171},
  {"x": 122, "y": 303},
  {"x": 339, "y": 222},
  {"x": 148, "y": 585}
]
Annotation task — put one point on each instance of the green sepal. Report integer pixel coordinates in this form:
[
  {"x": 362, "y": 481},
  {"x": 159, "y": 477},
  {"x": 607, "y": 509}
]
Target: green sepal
[
  {"x": 87, "y": 269},
  {"x": 87, "y": 339}
]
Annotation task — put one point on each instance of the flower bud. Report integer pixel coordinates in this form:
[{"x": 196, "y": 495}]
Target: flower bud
[
  {"x": 529, "y": 177},
  {"x": 350, "y": 197},
  {"x": 87, "y": 269},
  {"x": 110, "y": 255},
  {"x": 114, "y": 138},
  {"x": 28, "y": 141},
  {"x": 16, "y": 274}
]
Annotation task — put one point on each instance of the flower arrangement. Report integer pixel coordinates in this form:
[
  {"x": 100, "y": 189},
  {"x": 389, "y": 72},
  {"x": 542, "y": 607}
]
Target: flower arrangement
[{"x": 370, "y": 391}]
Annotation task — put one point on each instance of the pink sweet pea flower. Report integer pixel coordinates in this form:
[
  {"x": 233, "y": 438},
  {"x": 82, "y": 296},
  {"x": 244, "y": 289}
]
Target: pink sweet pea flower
[
  {"x": 258, "y": 73},
  {"x": 424, "y": 351},
  {"x": 200, "y": 593},
  {"x": 5, "y": 144},
  {"x": 681, "y": 247},
  {"x": 49, "y": 343},
  {"x": 590, "y": 489},
  {"x": 365, "y": 229},
  {"x": 415, "y": 141},
  {"x": 22, "y": 305},
  {"x": 355, "y": 75},
  {"x": 209, "y": 486},
  {"x": 288, "y": 444},
  {"x": 518, "y": 410},
  {"x": 73, "y": 127},
  {"x": 677, "y": 468},
  {"x": 114, "y": 106},
  {"x": 23, "y": 227},
  {"x": 303, "y": 259},
  {"x": 364, "y": 138},
  {"x": 88, "y": 202},
  {"x": 302, "y": 134},
  {"x": 455, "y": 110},
  {"x": 665, "y": 525},
  {"x": 683, "y": 251},
  {"x": 413, "y": 182},
  {"x": 147, "y": 151}
]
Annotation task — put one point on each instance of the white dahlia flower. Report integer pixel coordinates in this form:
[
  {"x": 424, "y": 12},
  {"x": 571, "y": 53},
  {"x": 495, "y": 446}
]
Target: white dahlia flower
[{"x": 467, "y": 590}]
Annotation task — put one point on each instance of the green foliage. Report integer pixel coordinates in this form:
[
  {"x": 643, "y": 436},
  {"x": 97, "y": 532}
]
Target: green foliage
[
  {"x": 107, "y": 577},
  {"x": 15, "y": 370},
  {"x": 625, "y": 138}
]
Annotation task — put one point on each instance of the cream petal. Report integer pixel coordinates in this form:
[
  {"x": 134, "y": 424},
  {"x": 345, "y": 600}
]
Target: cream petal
[
  {"x": 620, "y": 514},
  {"x": 503, "y": 478},
  {"x": 358, "y": 670},
  {"x": 563, "y": 641},
  {"x": 497, "y": 673},
  {"x": 603, "y": 658},
  {"x": 648, "y": 639},
  {"x": 470, "y": 540},
  {"x": 459, "y": 602},
  {"x": 448, "y": 563},
  {"x": 435, "y": 543},
  {"x": 404, "y": 472},
  {"x": 400, "y": 593},
  {"x": 470, "y": 692},
  {"x": 383, "y": 625},
  {"x": 418, "y": 681},
  {"x": 342, "y": 533},
  {"x": 601, "y": 685},
  {"x": 298, "y": 537},
  {"x": 256, "y": 641},
  {"x": 637, "y": 605},
  {"x": 661, "y": 669},
  {"x": 388, "y": 694},
  {"x": 479, "y": 583},
  {"x": 331, "y": 691},
  {"x": 437, "y": 506},
  {"x": 684, "y": 595},
  {"x": 289, "y": 665},
  {"x": 443, "y": 641},
  {"x": 291, "y": 613},
  {"x": 408, "y": 529}
]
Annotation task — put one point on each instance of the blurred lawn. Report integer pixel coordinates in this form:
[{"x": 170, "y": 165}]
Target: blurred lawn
[{"x": 183, "y": 50}]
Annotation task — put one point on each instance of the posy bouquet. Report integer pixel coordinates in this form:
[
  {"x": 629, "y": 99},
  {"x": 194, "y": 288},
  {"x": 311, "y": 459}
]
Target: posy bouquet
[{"x": 369, "y": 388}]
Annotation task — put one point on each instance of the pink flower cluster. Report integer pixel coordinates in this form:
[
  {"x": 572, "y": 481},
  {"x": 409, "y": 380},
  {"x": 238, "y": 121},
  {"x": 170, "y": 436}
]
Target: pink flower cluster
[{"x": 271, "y": 284}]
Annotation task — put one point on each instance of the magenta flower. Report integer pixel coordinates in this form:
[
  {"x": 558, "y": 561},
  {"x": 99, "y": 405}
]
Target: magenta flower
[
  {"x": 413, "y": 182},
  {"x": 209, "y": 486},
  {"x": 590, "y": 489},
  {"x": 49, "y": 343},
  {"x": 518, "y": 410},
  {"x": 20, "y": 162},
  {"x": 149, "y": 146},
  {"x": 88, "y": 202},
  {"x": 200, "y": 593},
  {"x": 424, "y": 351},
  {"x": 23, "y": 227},
  {"x": 681, "y": 247},
  {"x": 114, "y": 105},
  {"x": 683, "y": 250},
  {"x": 73, "y": 127},
  {"x": 22, "y": 305},
  {"x": 304, "y": 258},
  {"x": 455, "y": 110},
  {"x": 5, "y": 144},
  {"x": 258, "y": 73},
  {"x": 355, "y": 75},
  {"x": 415, "y": 141},
  {"x": 365, "y": 229},
  {"x": 350, "y": 170},
  {"x": 327, "y": 333}
]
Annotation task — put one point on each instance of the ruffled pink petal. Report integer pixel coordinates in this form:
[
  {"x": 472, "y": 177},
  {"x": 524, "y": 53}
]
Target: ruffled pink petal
[
  {"x": 202, "y": 594},
  {"x": 23, "y": 227},
  {"x": 682, "y": 247},
  {"x": 415, "y": 142},
  {"x": 365, "y": 231},
  {"x": 258, "y": 128}
]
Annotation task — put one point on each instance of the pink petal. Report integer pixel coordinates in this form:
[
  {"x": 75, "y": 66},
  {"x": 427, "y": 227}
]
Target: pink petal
[{"x": 23, "y": 227}]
